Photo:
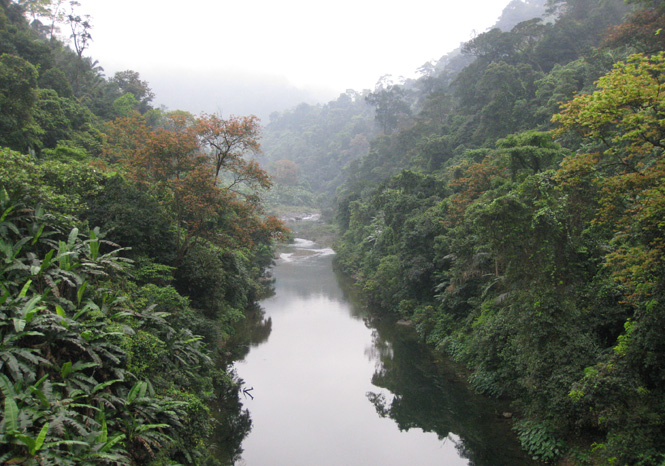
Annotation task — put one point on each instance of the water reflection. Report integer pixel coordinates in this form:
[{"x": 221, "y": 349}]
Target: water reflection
[
  {"x": 426, "y": 396},
  {"x": 334, "y": 386}
]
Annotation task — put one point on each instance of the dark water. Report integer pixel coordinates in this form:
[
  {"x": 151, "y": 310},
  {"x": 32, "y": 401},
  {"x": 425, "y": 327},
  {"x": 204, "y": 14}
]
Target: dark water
[{"x": 331, "y": 386}]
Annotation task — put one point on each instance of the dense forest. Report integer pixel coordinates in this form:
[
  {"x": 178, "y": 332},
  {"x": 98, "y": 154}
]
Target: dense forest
[
  {"x": 509, "y": 203},
  {"x": 512, "y": 209},
  {"x": 131, "y": 241}
]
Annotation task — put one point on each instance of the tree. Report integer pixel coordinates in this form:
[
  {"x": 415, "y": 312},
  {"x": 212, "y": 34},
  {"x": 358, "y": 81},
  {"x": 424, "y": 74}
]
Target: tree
[
  {"x": 622, "y": 125},
  {"x": 226, "y": 142},
  {"x": 50, "y": 9},
  {"x": 391, "y": 106},
  {"x": 130, "y": 82},
  {"x": 286, "y": 172},
  {"x": 171, "y": 161},
  {"x": 18, "y": 95},
  {"x": 624, "y": 119},
  {"x": 80, "y": 27}
]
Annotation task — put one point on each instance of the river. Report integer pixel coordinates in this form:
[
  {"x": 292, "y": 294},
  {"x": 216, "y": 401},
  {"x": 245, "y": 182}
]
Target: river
[{"x": 330, "y": 385}]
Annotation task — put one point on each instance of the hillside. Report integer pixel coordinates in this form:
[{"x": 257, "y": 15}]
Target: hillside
[{"x": 513, "y": 217}]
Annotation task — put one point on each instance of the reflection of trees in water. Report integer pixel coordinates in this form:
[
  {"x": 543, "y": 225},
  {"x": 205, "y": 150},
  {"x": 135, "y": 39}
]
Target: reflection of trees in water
[
  {"x": 250, "y": 332},
  {"x": 233, "y": 423},
  {"x": 422, "y": 396},
  {"x": 380, "y": 350},
  {"x": 307, "y": 277}
]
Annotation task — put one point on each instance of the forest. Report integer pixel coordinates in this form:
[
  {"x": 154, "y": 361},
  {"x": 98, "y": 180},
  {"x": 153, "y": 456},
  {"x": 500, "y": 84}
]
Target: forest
[
  {"x": 508, "y": 203},
  {"x": 132, "y": 239},
  {"x": 512, "y": 209}
]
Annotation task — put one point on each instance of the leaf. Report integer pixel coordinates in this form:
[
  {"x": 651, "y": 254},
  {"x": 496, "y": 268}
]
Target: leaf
[
  {"x": 4, "y": 297},
  {"x": 66, "y": 369},
  {"x": 25, "y": 288},
  {"x": 103, "y": 385},
  {"x": 6, "y": 386},
  {"x": 81, "y": 291},
  {"x": 11, "y": 415},
  {"x": 38, "y": 234},
  {"x": 30, "y": 308},
  {"x": 115, "y": 439},
  {"x": 40, "y": 438},
  {"x": 19, "y": 324},
  {"x": 40, "y": 394},
  {"x": 134, "y": 392},
  {"x": 28, "y": 442},
  {"x": 73, "y": 235},
  {"x": 145, "y": 427},
  {"x": 104, "y": 434},
  {"x": 65, "y": 442},
  {"x": 48, "y": 258},
  {"x": 16, "y": 460}
]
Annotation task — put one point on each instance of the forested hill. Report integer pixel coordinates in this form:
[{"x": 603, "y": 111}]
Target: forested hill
[
  {"x": 515, "y": 216},
  {"x": 131, "y": 241},
  {"x": 308, "y": 148}
]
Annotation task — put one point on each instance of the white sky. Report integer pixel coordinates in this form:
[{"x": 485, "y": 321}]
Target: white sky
[{"x": 313, "y": 45}]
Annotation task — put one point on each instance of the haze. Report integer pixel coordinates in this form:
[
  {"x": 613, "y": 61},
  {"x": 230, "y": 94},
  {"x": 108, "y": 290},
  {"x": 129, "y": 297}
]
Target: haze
[{"x": 258, "y": 56}]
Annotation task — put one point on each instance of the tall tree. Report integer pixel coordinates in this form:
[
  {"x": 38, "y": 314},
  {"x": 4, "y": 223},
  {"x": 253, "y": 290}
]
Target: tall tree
[
  {"x": 18, "y": 95},
  {"x": 129, "y": 81},
  {"x": 227, "y": 142}
]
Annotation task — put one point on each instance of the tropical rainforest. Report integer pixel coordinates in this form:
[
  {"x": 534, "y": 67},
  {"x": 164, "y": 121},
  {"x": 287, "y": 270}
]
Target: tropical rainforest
[
  {"x": 511, "y": 207},
  {"x": 509, "y": 203},
  {"x": 132, "y": 240}
]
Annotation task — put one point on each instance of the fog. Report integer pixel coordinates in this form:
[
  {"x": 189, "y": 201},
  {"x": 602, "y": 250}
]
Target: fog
[
  {"x": 258, "y": 56},
  {"x": 229, "y": 93}
]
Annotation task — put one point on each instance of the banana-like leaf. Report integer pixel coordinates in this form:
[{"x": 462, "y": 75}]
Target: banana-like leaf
[
  {"x": 48, "y": 258},
  {"x": 81, "y": 291},
  {"x": 134, "y": 392},
  {"x": 103, "y": 385},
  {"x": 11, "y": 415},
  {"x": 114, "y": 440},
  {"x": 38, "y": 234},
  {"x": 73, "y": 235},
  {"x": 24, "y": 290},
  {"x": 40, "y": 438}
]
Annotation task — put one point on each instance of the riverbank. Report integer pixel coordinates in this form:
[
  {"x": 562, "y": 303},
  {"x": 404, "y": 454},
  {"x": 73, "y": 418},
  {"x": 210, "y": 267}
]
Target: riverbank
[{"x": 333, "y": 383}]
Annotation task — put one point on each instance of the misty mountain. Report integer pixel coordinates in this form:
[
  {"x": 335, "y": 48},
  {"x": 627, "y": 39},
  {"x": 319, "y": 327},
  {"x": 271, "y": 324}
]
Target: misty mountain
[{"x": 230, "y": 93}]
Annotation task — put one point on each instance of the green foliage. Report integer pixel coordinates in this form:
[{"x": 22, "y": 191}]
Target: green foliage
[
  {"x": 102, "y": 362},
  {"x": 72, "y": 350},
  {"x": 125, "y": 105},
  {"x": 532, "y": 256},
  {"x": 539, "y": 441},
  {"x": 320, "y": 141},
  {"x": 18, "y": 95}
]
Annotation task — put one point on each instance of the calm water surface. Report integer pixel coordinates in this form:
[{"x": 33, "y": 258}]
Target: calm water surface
[{"x": 333, "y": 387}]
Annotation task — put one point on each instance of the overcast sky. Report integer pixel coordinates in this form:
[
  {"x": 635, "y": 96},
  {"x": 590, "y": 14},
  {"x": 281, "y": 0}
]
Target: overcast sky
[{"x": 254, "y": 48}]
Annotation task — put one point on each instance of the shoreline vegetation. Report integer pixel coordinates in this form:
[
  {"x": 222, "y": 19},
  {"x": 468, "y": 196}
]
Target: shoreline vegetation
[
  {"x": 508, "y": 203},
  {"x": 513, "y": 215},
  {"x": 132, "y": 240}
]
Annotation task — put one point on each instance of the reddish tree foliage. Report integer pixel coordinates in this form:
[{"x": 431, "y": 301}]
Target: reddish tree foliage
[
  {"x": 174, "y": 162},
  {"x": 227, "y": 142},
  {"x": 642, "y": 30}
]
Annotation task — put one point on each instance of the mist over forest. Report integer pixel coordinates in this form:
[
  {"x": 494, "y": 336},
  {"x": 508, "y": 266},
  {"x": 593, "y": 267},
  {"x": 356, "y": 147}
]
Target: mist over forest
[{"x": 230, "y": 93}]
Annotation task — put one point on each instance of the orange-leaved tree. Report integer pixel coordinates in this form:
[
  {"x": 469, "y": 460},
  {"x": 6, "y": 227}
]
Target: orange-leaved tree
[
  {"x": 174, "y": 163},
  {"x": 226, "y": 142}
]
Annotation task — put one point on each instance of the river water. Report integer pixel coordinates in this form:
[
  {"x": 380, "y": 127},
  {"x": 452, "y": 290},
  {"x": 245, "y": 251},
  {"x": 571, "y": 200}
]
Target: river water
[{"x": 329, "y": 385}]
